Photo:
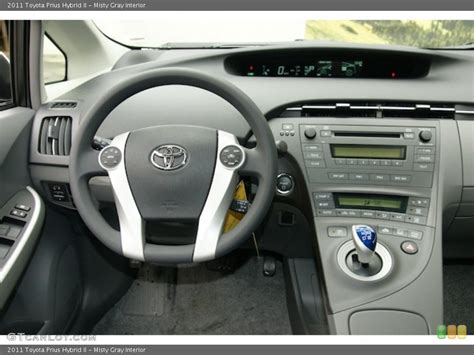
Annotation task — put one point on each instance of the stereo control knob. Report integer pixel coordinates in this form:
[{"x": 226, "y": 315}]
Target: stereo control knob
[
  {"x": 310, "y": 133},
  {"x": 425, "y": 136}
]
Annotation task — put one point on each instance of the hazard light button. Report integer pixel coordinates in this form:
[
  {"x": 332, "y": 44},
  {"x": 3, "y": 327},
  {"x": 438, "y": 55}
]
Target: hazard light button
[{"x": 409, "y": 247}]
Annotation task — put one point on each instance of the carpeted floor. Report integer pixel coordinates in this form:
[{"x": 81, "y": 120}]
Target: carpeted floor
[
  {"x": 459, "y": 295},
  {"x": 196, "y": 300}
]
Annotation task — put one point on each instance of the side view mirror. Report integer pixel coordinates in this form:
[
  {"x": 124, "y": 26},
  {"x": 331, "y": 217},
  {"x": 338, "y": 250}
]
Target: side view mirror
[{"x": 5, "y": 77}]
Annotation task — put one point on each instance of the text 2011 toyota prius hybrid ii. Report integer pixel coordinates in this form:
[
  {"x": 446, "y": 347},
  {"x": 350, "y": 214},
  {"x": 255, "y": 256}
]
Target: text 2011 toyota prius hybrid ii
[{"x": 266, "y": 176}]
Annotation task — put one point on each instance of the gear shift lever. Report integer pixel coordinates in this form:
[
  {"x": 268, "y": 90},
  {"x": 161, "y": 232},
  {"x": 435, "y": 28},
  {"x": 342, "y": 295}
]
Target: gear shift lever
[{"x": 365, "y": 241}]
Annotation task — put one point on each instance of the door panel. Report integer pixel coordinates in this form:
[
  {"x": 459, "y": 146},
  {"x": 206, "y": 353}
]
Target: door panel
[
  {"x": 15, "y": 127},
  {"x": 21, "y": 208}
]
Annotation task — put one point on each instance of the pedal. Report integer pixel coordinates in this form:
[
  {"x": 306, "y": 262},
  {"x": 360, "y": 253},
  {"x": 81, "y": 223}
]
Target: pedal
[
  {"x": 269, "y": 266},
  {"x": 227, "y": 264}
]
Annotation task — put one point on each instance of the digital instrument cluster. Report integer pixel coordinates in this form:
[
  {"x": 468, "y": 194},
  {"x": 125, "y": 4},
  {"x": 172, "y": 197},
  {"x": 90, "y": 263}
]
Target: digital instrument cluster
[
  {"x": 320, "y": 68},
  {"x": 328, "y": 64}
]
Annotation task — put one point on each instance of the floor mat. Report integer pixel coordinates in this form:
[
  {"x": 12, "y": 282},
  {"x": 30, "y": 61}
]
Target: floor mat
[
  {"x": 197, "y": 300},
  {"x": 459, "y": 295},
  {"x": 146, "y": 296}
]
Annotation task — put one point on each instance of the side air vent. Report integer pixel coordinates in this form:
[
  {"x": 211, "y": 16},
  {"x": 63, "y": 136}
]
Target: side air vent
[
  {"x": 63, "y": 105},
  {"x": 370, "y": 110},
  {"x": 55, "y": 135}
]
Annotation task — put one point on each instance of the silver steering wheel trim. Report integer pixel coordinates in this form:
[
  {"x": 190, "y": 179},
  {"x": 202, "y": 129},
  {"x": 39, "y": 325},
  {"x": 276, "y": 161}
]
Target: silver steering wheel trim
[{"x": 212, "y": 217}]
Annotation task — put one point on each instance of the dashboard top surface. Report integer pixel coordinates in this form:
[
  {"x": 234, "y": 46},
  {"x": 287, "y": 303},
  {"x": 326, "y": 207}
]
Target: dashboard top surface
[{"x": 186, "y": 105}]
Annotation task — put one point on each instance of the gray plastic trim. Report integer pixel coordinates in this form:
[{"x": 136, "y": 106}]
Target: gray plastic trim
[
  {"x": 36, "y": 64},
  {"x": 466, "y": 134},
  {"x": 387, "y": 322}
]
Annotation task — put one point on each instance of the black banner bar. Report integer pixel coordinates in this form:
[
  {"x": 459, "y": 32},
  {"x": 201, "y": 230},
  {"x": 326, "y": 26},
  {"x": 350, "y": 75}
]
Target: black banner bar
[
  {"x": 240, "y": 349},
  {"x": 236, "y": 5}
]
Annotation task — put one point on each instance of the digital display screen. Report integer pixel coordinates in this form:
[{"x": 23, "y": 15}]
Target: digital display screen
[
  {"x": 368, "y": 151},
  {"x": 371, "y": 202},
  {"x": 328, "y": 63},
  {"x": 316, "y": 68}
]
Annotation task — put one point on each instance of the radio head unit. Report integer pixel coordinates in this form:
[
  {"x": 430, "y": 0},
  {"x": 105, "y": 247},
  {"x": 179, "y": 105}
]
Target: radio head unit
[{"x": 379, "y": 155}]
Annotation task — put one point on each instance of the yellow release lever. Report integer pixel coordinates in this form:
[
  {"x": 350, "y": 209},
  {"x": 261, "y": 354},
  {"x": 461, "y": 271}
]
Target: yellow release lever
[{"x": 233, "y": 218}]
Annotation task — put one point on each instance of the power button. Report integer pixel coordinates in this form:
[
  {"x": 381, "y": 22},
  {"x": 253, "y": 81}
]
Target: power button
[{"x": 285, "y": 184}]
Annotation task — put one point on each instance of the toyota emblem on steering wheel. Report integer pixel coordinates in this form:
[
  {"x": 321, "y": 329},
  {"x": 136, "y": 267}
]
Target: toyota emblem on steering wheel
[{"x": 169, "y": 157}]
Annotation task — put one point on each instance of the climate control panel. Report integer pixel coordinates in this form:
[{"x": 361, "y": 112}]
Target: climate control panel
[{"x": 406, "y": 209}]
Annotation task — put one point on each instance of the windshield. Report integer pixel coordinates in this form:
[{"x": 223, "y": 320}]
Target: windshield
[{"x": 199, "y": 31}]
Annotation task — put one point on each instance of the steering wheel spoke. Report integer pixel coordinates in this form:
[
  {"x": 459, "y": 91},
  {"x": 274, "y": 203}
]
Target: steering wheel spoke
[
  {"x": 221, "y": 192},
  {"x": 132, "y": 226}
]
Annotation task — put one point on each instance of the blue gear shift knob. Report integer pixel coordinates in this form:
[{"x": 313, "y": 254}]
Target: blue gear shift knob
[{"x": 365, "y": 241}]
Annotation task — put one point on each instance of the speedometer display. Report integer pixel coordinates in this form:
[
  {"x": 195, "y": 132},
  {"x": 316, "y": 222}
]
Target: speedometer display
[
  {"x": 317, "y": 68},
  {"x": 319, "y": 63}
]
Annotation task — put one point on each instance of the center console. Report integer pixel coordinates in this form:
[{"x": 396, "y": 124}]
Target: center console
[{"x": 383, "y": 174}]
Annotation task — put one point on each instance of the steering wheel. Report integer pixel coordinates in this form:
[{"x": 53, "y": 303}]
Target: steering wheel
[{"x": 172, "y": 173}]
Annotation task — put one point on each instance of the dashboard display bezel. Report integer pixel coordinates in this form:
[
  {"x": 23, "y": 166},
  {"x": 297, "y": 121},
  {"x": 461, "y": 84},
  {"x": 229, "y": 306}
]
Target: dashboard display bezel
[
  {"x": 403, "y": 200},
  {"x": 376, "y": 64},
  {"x": 401, "y": 148}
]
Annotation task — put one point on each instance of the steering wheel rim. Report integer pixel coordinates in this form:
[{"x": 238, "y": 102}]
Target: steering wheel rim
[{"x": 260, "y": 162}]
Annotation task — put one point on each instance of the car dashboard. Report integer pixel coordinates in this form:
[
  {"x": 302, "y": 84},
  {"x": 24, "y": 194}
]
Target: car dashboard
[{"x": 376, "y": 135}]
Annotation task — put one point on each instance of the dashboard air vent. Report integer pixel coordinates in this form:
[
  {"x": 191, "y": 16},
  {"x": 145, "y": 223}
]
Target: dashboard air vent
[
  {"x": 55, "y": 135},
  {"x": 370, "y": 109},
  {"x": 63, "y": 105}
]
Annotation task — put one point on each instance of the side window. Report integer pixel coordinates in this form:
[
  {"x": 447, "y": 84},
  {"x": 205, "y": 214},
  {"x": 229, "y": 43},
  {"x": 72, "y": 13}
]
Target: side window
[
  {"x": 5, "y": 72},
  {"x": 54, "y": 62}
]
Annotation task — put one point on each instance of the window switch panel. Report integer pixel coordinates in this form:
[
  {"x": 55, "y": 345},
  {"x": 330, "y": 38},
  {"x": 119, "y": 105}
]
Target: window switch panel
[
  {"x": 18, "y": 213},
  {"x": 23, "y": 208}
]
